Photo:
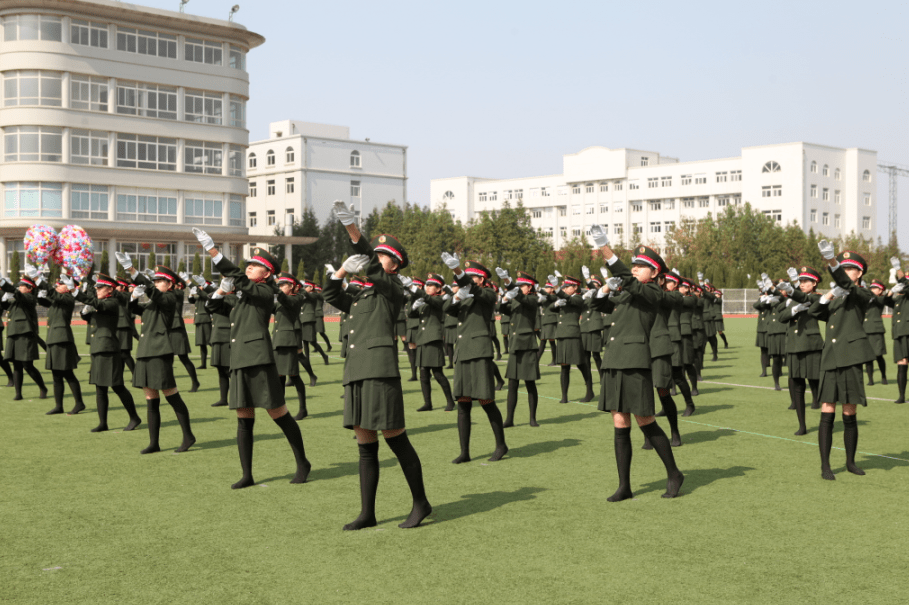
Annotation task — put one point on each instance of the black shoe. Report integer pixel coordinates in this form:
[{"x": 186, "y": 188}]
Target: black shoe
[
  {"x": 870, "y": 384},
  {"x": 777, "y": 387},
  {"x": 412, "y": 379},
  {"x": 715, "y": 358},
  {"x": 425, "y": 408},
  {"x": 884, "y": 381},
  {"x": 763, "y": 374},
  {"x": 219, "y": 404},
  {"x": 900, "y": 400},
  {"x": 694, "y": 392},
  {"x": 312, "y": 380}
]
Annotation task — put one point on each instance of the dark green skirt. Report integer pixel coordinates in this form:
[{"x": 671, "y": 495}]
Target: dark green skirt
[
  {"x": 699, "y": 338},
  {"x": 627, "y": 391},
  {"x": 256, "y": 387},
  {"x": 320, "y": 325},
  {"x": 411, "y": 334},
  {"x": 569, "y": 351},
  {"x": 220, "y": 355},
  {"x": 843, "y": 385},
  {"x": 22, "y": 347},
  {"x": 676, "y": 354},
  {"x": 61, "y": 357},
  {"x": 661, "y": 372},
  {"x": 687, "y": 350},
  {"x": 179, "y": 341},
  {"x": 523, "y": 365},
  {"x": 400, "y": 328},
  {"x": 761, "y": 340},
  {"x": 592, "y": 342},
  {"x": 776, "y": 344},
  {"x": 286, "y": 361},
  {"x": 548, "y": 331},
  {"x": 431, "y": 355},
  {"x": 374, "y": 404},
  {"x": 805, "y": 365},
  {"x": 308, "y": 332},
  {"x": 451, "y": 335},
  {"x": 125, "y": 338},
  {"x": 203, "y": 334},
  {"x": 474, "y": 379},
  {"x": 709, "y": 328},
  {"x": 505, "y": 327},
  {"x": 878, "y": 344},
  {"x": 155, "y": 373},
  {"x": 900, "y": 348},
  {"x": 720, "y": 326},
  {"x": 107, "y": 370}
]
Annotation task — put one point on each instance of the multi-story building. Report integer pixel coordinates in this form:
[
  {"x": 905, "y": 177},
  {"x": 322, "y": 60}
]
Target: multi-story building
[
  {"x": 308, "y": 166},
  {"x": 641, "y": 192},
  {"x": 128, "y": 121}
]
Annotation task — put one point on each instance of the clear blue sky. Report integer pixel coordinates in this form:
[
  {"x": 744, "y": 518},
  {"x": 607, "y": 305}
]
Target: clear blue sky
[{"x": 503, "y": 89}]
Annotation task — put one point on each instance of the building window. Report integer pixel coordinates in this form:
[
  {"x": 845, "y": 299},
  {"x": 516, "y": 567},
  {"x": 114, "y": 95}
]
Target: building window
[
  {"x": 722, "y": 201},
  {"x": 604, "y": 187},
  {"x": 537, "y": 214},
  {"x": 448, "y": 195},
  {"x": 203, "y": 107},
  {"x": 666, "y": 181},
  {"x": 687, "y": 202},
  {"x": 237, "y": 58},
  {"x": 88, "y": 147},
  {"x": 147, "y": 208},
  {"x": 777, "y": 190},
  {"x": 837, "y": 175},
  {"x": 289, "y": 185},
  {"x": 507, "y": 194},
  {"x": 575, "y": 189},
  {"x": 653, "y": 182},
  {"x": 735, "y": 175},
  {"x": 721, "y": 177},
  {"x": 826, "y": 170},
  {"x": 88, "y": 33},
  {"x": 235, "y": 162},
  {"x": 202, "y": 211},
  {"x": 645, "y": 161},
  {"x": 205, "y": 158},
  {"x": 88, "y": 93},
  {"x": 236, "y": 210},
  {"x": 637, "y": 206},
  {"x": 670, "y": 204},
  {"x": 866, "y": 222},
  {"x": 252, "y": 160},
  {"x": 355, "y": 189},
  {"x": 590, "y": 209},
  {"x": 656, "y": 206},
  {"x": 618, "y": 229},
  {"x": 656, "y": 228},
  {"x": 147, "y": 100},
  {"x": 544, "y": 191},
  {"x": 146, "y": 43},
  {"x": 563, "y": 211},
  {"x": 270, "y": 187},
  {"x": 252, "y": 219},
  {"x": 637, "y": 228},
  {"x": 703, "y": 202},
  {"x": 686, "y": 179},
  {"x": 33, "y": 144},
  {"x": 88, "y": 201},
  {"x": 776, "y": 215},
  {"x": 825, "y": 219},
  {"x": 32, "y": 88},
  {"x": 618, "y": 208},
  {"x": 632, "y": 185},
  {"x": 866, "y": 176},
  {"x": 270, "y": 158},
  {"x": 493, "y": 196},
  {"x": 33, "y": 27},
  {"x": 604, "y": 208},
  {"x": 482, "y": 196},
  {"x": 575, "y": 232},
  {"x": 812, "y": 216},
  {"x": 519, "y": 194},
  {"x": 203, "y": 51},
  {"x": 252, "y": 189},
  {"x": 617, "y": 187},
  {"x": 670, "y": 226},
  {"x": 237, "y": 112},
  {"x": 814, "y": 191},
  {"x": 814, "y": 167},
  {"x": 270, "y": 218},
  {"x": 33, "y": 199},
  {"x": 867, "y": 199},
  {"x": 355, "y": 159},
  {"x": 836, "y": 221},
  {"x": 836, "y": 197},
  {"x": 771, "y": 167},
  {"x": 825, "y": 195},
  {"x": 575, "y": 210},
  {"x": 289, "y": 155},
  {"x": 700, "y": 179}
]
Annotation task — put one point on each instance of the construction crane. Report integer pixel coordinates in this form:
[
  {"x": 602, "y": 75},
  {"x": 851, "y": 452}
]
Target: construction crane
[{"x": 894, "y": 170}]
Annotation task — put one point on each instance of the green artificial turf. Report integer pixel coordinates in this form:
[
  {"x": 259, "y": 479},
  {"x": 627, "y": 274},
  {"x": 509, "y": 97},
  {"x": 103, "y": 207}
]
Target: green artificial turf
[{"x": 87, "y": 519}]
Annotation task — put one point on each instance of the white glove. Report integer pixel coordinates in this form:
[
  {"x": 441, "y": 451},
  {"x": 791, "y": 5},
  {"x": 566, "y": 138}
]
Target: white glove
[
  {"x": 512, "y": 293},
  {"x": 418, "y": 304},
  {"x": 239, "y": 294},
  {"x": 138, "y": 291},
  {"x": 768, "y": 284},
  {"x": 895, "y": 263},
  {"x": 676, "y": 271},
  {"x": 7, "y": 296},
  {"x": 793, "y": 274},
  {"x": 826, "y": 249},
  {"x": 344, "y": 214},
  {"x": 560, "y": 303},
  {"x": 864, "y": 284},
  {"x": 405, "y": 281},
  {"x": 125, "y": 261},
  {"x": 227, "y": 285},
  {"x": 614, "y": 283},
  {"x": 67, "y": 281},
  {"x": 588, "y": 294},
  {"x": 760, "y": 284},
  {"x": 329, "y": 268},
  {"x": 200, "y": 280},
  {"x": 446, "y": 296},
  {"x": 784, "y": 287},
  {"x": 31, "y": 271},
  {"x": 194, "y": 292},
  {"x": 604, "y": 272},
  {"x": 86, "y": 309},
  {"x": 897, "y": 288},
  {"x": 463, "y": 294},
  {"x": 602, "y": 293},
  {"x": 707, "y": 280},
  {"x": 452, "y": 261},
  {"x": 553, "y": 280},
  {"x": 839, "y": 292},
  {"x": 356, "y": 263},
  {"x": 149, "y": 273},
  {"x": 205, "y": 239},
  {"x": 541, "y": 297},
  {"x": 502, "y": 273},
  {"x": 42, "y": 293},
  {"x": 585, "y": 272},
  {"x": 796, "y": 309},
  {"x": 275, "y": 302},
  {"x": 184, "y": 276},
  {"x": 773, "y": 299},
  {"x": 700, "y": 277},
  {"x": 600, "y": 238},
  {"x": 86, "y": 286},
  {"x": 557, "y": 274}
]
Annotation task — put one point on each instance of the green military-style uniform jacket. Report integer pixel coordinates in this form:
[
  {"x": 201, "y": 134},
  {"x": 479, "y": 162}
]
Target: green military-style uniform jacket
[
  {"x": 524, "y": 311},
  {"x": 430, "y": 318},
  {"x": 846, "y": 343},
  {"x": 157, "y": 319},
  {"x": 59, "y": 316},
  {"x": 763, "y": 311},
  {"x": 474, "y": 315},
  {"x": 249, "y": 339},
  {"x": 200, "y": 314},
  {"x": 803, "y": 334},
  {"x": 591, "y": 320},
  {"x": 874, "y": 323},
  {"x": 287, "y": 312},
  {"x": 898, "y": 327},
  {"x": 504, "y": 310},
  {"x": 569, "y": 315},
  {"x": 22, "y": 318},
  {"x": 106, "y": 316}
]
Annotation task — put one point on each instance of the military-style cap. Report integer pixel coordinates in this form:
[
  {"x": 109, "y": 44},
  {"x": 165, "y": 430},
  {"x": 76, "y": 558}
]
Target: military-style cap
[
  {"x": 876, "y": 283},
  {"x": 286, "y": 278},
  {"x": 670, "y": 276},
  {"x": 570, "y": 281},
  {"x": 648, "y": 256},
  {"x": 852, "y": 259},
  {"x": 124, "y": 281},
  {"x": 594, "y": 283},
  {"x": 472, "y": 267},
  {"x": 806, "y": 272},
  {"x": 357, "y": 280},
  {"x": 105, "y": 280},
  {"x": 26, "y": 281},
  {"x": 318, "y": 288},
  {"x": 434, "y": 279},
  {"x": 162, "y": 272},
  {"x": 389, "y": 244},
  {"x": 548, "y": 285},
  {"x": 526, "y": 278},
  {"x": 261, "y": 256},
  {"x": 418, "y": 282},
  {"x": 308, "y": 283}
]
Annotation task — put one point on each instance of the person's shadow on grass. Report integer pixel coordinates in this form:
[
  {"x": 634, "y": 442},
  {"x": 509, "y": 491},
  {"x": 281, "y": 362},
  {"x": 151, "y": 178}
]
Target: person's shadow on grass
[
  {"x": 541, "y": 447},
  {"x": 570, "y": 418},
  {"x": 705, "y": 436},
  {"x": 881, "y": 463},
  {"x": 472, "y": 504},
  {"x": 695, "y": 479},
  {"x": 706, "y": 409}
]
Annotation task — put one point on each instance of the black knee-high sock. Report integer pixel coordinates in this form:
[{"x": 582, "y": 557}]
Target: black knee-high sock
[
  {"x": 413, "y": 472},
  {"x": 191, "y": 370},
  {"x": 412, "y": 358},
  {"x": 511, "y": 402},
  {"x": 692, "y": 377},
  {"x": 245, "y": 449},
  {"x": 223, "y": 385},
  {"x": 101, "y": 403},
  {"x": 588, "y": 381},
  {"x": 495, "y": 421},
  {"x": 541, "y": 348},
  {"x": 900, "y": 382},
  {"x": 301, "y": 397},
  {"x": 295, "y": 438},
  {"x": 325, "y": 338},
  {"x": 318, "y": 349},
  {"x": 41, "y": 343},
  {"x": 765, "y": 360},
  {"x": 814, "y": 384},
  {"x": 203, "y": 351},
  {"x": 869, "y": 369},
  {"x": 74, "y": 386},
  {"x": 882, "y": 366},
  {"x": 426, "y": 388},
  {"x": 597, "y": 362},
  {"x": 699, "y": 359},
  {"x": 678, "y": 376},
  {"x": 825, "y": 442},
  {"x": 6, "y": 368},
  {"x": 505, "y": 343},
  {"x": 498, "y": 376},
  {"x": 532, "y": 399},
  {"x": 498, "y": 347},
  {"x": 464, "y": 408},
  {"x": 555, "y": 350},
  {"x": 446, "y": 387},
  {"x": 128, "y": 360},
  {"x": 153, "y": 415},
  {"x": 35, "y": 375},
  {"x": 712, "y": 341},
  {"x": 306, "y": 348},
  {"x": 565, "y": 381},
  {"x": 126, "y": 399},
  {"x": 797, "y": 394},
  {"x": 176, "y": 402},
  {"x": 672, "y": 412},
  {"x": 660, "y": 443},
  {"x": 369, "y": 485},
  {"x": 725, "y": 342},
  {"x": 850, "y": 442},
  {"x": 304, "y": 361},
  {"x": 58, "y": 392},
  {"x": 449, "y": 351},
  {"x": 622, "y": 442}
]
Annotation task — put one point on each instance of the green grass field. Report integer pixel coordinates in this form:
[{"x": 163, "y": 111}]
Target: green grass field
[{"x": 87, "y": 519}]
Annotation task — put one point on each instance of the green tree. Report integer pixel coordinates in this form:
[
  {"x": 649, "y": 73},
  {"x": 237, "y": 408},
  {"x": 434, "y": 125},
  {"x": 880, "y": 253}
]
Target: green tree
[
  {"x": 152, "y": 259},
  {"x": 105, "y": 262},
  {"x": 15, "y": 267},
  {"x": 284, "y": 265},
  {"x": 207, "y": 271},
  {"x": 181, "y": 266},
  {"x": 167, "y": 261},
  {"x": 301, "y": 271},
  {"x": 197, "y": 264}
]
